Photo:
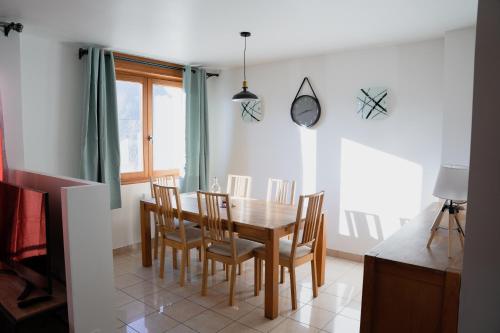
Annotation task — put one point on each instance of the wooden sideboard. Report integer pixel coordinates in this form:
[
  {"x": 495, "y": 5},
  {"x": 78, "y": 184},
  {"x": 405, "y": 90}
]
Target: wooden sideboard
[{"x": 408, "y": 287}]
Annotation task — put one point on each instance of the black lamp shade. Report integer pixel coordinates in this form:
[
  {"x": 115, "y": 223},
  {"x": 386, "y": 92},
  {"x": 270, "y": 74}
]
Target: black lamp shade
[{"x": 245, "y": 96}]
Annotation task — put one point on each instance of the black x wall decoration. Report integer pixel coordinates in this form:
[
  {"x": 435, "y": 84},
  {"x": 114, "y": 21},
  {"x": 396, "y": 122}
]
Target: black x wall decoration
[
  {"x": 372, "y": 103},
  {"x": 251, "y": 111}
]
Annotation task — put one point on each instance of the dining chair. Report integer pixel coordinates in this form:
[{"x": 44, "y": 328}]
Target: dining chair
[
  {"x": 165, "y": 178},
  {"x": 239, "y": 186},
  {"x": 220, "y": 242},
  {"x": 302, "y": 248},
  {"x": 281, "y": 191},
  {"x": 172, "y": 228}
]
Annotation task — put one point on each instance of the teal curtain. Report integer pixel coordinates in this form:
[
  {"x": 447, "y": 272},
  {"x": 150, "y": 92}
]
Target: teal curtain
[
  {"x": 197, "y": 155},
  {"x": 100, "y": 142}
]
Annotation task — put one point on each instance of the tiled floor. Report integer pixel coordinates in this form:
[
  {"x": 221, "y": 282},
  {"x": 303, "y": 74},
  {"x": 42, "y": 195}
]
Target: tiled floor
[{"x": 146, "y": 303}]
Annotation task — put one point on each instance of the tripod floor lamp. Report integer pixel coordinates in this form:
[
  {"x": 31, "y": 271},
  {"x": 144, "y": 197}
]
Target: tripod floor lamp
[{"x": 451, "y": 185}]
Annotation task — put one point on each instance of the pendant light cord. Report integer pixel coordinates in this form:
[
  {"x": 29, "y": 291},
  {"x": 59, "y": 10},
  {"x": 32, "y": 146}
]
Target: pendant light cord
[{"x": 244, "y": 60}]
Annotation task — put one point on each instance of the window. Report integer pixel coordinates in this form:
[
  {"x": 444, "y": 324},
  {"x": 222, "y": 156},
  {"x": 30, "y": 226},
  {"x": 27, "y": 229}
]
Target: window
[{"x": 151, "y": 121}]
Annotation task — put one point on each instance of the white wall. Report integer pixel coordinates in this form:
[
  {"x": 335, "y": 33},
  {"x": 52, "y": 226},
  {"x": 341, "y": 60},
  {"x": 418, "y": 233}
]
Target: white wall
[
  {"x": 409, "y": 141},
  {"x": 458, "y": 82},
  {"x": 10, "y": 98},
  {"x": 376, "y": 174},
  {"x": 52, "y": 88},
  {"x": 52, "y": 99}
]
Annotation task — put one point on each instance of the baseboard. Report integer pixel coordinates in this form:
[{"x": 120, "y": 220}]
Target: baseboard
[{"x": 344, "y": 255}]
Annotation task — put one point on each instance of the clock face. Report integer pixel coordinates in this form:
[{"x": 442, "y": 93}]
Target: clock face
[
  {"x": 251, "y": 111},
  {"x": 305, "y": 111}
]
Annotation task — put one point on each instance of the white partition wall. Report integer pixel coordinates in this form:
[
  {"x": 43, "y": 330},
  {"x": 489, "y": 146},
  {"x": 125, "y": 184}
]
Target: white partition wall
[{"x": 80, "y": 219}]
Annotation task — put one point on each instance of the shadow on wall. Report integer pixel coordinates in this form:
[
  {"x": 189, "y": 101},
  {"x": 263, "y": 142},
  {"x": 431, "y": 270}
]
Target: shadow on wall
[
  {"x": 379, "y": 193},
  {"x": 364, "y": 226}
]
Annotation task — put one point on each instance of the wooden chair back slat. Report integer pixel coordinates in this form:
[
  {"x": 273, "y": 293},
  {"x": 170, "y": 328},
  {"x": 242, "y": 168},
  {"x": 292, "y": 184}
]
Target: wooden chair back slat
[
  {"x": 211, "y": 219},
  {"x": 166, "y": 197},
  {"x": 164, "y": 178},
  {"x": 239, "y": 186},
  {"x": 284, "y": 191},
  {"x": 311, "y": 221}
]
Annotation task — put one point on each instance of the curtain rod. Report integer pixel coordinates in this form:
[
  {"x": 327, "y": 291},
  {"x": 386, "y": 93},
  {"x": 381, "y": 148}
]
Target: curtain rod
[{"x": 82, "y": 52}]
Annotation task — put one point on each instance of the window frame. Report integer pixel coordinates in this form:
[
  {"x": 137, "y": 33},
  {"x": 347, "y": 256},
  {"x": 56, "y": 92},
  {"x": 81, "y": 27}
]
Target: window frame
[{"x": 147, "y": 76}]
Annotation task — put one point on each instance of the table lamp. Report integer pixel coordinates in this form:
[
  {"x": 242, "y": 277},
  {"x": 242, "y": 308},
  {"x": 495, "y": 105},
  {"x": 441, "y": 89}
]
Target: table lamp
[{"x": 451, "y": 185}]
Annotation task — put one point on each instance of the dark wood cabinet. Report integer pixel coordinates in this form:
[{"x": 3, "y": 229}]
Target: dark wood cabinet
[{"x": 408, "y": 287}]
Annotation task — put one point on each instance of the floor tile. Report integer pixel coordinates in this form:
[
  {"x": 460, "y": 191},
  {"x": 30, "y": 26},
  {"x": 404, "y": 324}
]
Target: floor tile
[
  {"x": 343, "y": 289},
  {"x": 328, "y": 302},
  {"x": 239, "y": 328},
  {"x": 341, "y": 324},
  {"x": 181, "y": 329},
  {"x": 133, "y": 311},
  {"x": 251, "y": 299},
  {"x": 285, "y": 306},
  {"x": 125, "y": 329},
  {"x": 119, "y": 323},
  {"x": 289, "y": 325},
  {"x": 163, "y": 304},
  {"x": 352, "y": 310},
  {"x": 161, "y": 299},
  {"x": 304, "y": 294},
  {"x": 208, "y": 322},
  {"x": 154, "y": 323},
  {"x": 122, "y": 298},
  {"x": 186, "y": 291},
  {"x": 238, "y": 310},
  {"x": 183, "y": 310},
  {"x": 141, "y": 289},
  {"x": 359, "y": 297},
  {"x": 212, "y": 298},
  {"x": 312, "y": 316},
  {"x": 256, "y": 320},
  {"x": 126, "y": 280}
]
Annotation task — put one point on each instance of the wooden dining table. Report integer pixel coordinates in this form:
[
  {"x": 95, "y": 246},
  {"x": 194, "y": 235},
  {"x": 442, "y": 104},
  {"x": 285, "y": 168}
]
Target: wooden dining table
[{"x": 259, "y": 220}]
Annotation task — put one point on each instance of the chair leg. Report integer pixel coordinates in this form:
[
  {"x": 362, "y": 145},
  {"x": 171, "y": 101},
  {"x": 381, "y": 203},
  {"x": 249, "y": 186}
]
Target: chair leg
[
  {"x": 256, "y": 278},
  {"x": 293, "y": 287},
  {"x": 239, "y": 268},
  {"x": 204, "y": 281},
  {"x": 155, "y": 243},
  {"x": 261, "y": 270},
  {"x": 174, "y": 258},
  {"x": 162, "y": 259},
  {"x": 231, "y": 284},
  {"x": 183, "y": 267},
  {"x": 282, "y": 277},
  {"x": 213, "y": 266},
  {"x": 227, "y": 271},
  {"x": 199, "y": 254},
  {"x": 314, "y": 278},
  {"x": 188, "y": 259}
]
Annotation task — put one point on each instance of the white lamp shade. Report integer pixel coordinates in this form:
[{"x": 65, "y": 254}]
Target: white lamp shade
[{"x": 452, "y": 182}]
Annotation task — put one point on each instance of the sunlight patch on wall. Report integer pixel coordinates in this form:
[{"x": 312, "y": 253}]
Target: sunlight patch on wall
[
  {"x": 308, "y": 145},
  {"x": 378, "y": 192}
]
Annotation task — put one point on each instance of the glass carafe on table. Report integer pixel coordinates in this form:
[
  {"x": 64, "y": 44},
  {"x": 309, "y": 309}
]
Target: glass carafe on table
[{"x": 215, "y": 187}]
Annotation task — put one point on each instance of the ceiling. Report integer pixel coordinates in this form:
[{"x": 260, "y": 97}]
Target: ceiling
[{"x": 207, "y": 32}]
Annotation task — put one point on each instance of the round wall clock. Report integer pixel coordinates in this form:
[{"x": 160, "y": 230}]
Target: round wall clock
[
  {"x": 305, "y": 110},
  {"x": 251, "y": 111}
]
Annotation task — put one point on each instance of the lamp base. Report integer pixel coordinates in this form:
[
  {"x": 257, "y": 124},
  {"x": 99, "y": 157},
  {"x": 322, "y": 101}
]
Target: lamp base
[{"x": 453, "y": 210}]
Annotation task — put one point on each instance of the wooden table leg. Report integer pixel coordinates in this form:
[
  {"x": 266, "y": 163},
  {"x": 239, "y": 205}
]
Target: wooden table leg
[
  {"x": 321, "y": 253},
  {"x": 272, "y": 270},
  {"x": 145, "y": 236}
]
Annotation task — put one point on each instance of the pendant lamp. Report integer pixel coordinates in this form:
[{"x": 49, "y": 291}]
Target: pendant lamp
[{"x": 245, "y": 95}]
